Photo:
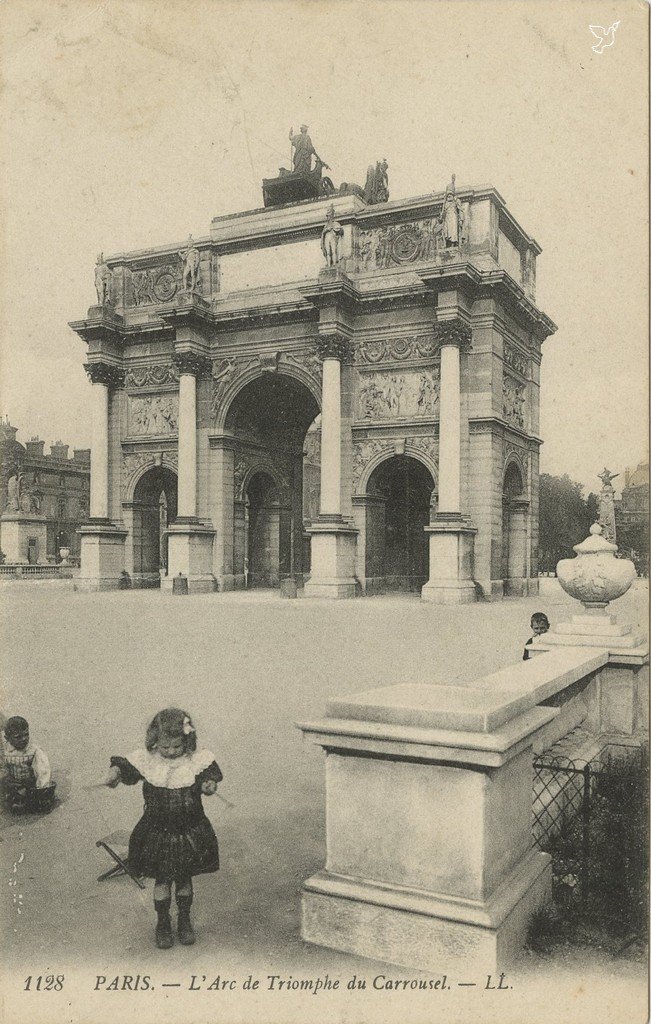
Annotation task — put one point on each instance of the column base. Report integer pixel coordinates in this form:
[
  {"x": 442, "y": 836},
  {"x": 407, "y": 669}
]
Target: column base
[
  {"x": 190, "y": 553},
  {"x": 333, "y": 559},
  {"x": 424, "y": 931},
  {"x": 102, "y": 556},
  {"x": 451, "y": 549},
  {"x": 226, "y": 582}
]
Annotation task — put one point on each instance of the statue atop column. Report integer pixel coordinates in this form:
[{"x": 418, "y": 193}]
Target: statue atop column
[
  {"x": 332, "y": 232},
  {"x": 451, "y": 216},
  {"x": 607, "y": 505},
  {"x": 607, "y": 477},
  {"x": 102, "y": 281},
  {"x": 191, "y": 258},
  {"x": 376, "y": 189}
]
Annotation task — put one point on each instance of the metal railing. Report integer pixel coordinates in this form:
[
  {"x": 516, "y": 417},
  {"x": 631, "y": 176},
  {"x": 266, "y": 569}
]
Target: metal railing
[
  {"x": 22, "y": 572},
  {"x": 565, "y": 793}
]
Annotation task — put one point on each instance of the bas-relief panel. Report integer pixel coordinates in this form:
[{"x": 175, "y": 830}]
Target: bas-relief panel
[
  {"x": 384, "y": 350},
  {"x": 513, "y": 402},
  {"x": 401, "y": 244},
  {"x": 152, "y": 415},
  {"x": 516, "y": 360},
  {"x": 407, "y": 394},
  {"x": 157, "y": 373},
  {"x": 156, "y": 284}
]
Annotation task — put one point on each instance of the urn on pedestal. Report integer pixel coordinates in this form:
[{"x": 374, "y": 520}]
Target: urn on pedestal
[{"x": 595, "y": 578}]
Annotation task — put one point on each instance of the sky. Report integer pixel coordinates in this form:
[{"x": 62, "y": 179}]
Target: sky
[{"x": 131, "y": 124}]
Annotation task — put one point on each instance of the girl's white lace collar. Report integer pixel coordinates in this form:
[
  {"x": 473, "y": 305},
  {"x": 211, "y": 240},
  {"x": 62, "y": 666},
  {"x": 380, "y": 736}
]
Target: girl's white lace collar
[{"x": 170, "y": 773}]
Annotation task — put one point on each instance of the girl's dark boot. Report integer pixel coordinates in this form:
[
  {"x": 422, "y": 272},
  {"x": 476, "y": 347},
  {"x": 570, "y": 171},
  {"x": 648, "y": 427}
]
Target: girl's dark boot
[
  {"x": 164, "y": 936},
  {"x": 184, "y": 924}
]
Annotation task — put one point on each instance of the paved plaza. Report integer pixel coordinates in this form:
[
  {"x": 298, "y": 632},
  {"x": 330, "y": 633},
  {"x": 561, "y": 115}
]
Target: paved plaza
[{"x": 89, "y": 672}]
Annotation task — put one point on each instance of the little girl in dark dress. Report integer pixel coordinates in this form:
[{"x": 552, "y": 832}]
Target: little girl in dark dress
[{"x": 174, "y": 839}]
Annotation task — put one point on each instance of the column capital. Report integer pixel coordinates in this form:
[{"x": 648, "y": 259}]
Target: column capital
[
  {"x": 192, "y": 362},
  {"x": 105, "y": 373},
  {"x": 453, "y": 332},
  {"x": 334, "y": 346}
]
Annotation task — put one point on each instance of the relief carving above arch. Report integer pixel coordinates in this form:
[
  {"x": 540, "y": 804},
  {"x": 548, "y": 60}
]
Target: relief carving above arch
[
  {"x": 136, "y": 464},
  {"x": 229, "y": 372},
  {"x": 368, "y": 454}
]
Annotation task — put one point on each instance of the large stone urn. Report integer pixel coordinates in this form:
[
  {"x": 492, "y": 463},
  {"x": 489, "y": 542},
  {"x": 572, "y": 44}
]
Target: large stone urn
[{"x": 595, "y": 578}]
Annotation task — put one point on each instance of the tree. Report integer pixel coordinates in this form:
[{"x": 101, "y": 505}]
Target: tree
[{"x": 565, "y": 518}]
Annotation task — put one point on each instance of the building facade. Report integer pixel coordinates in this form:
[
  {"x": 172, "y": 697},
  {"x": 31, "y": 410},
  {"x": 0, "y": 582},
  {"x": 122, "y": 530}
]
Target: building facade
[
  {"x": 338, "y": 391},
  {"x": 53, "y": 486},
  {"x": 632, "y": 517}
]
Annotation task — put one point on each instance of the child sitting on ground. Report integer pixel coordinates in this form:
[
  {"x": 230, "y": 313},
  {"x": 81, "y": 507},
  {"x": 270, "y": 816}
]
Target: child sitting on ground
[
  {"x": 539, "y": 625},
  {"x": 28, "y": 782}
]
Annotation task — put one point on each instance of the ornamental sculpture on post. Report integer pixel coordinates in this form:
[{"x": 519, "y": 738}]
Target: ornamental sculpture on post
[
  {"x": 451, "y": 216},
  {"x": 191, "y": 258},
  {"x": 332, "y": 232},
  {"x": 595, "y": 578},
  {"x": 376, "y": 189},
  {"x": 102, "y": 281}
]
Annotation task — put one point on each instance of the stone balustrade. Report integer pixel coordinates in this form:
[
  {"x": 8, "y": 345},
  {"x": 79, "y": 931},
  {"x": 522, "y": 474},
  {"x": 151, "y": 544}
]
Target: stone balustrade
[{"x": 428, "y": 806}]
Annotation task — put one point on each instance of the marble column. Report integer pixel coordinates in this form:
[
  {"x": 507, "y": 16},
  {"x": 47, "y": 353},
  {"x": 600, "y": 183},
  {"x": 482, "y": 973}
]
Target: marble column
[
  {"x": 450, "y": 428},
  {"x": 332, "y": 570},
  {"x": 187, "y": 486},
  {"x": 102, "y": 542},
  {"x": 190, "y": 542},
  {"x": 331, "y": 435},
  {"x": 451, "y": 537}
]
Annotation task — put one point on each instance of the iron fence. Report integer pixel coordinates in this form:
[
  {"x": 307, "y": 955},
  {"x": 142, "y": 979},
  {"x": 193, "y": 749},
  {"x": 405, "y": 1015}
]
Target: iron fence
[{"x": 567, "y": 797}]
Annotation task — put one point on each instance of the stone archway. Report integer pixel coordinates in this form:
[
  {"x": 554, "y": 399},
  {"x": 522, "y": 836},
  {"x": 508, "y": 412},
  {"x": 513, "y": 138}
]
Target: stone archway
[
  {"x": 398, "y": 507},
  {"x": 268, "y": 420},
  {"x": 267, "y": 554},
  {"x": 514, "y": 531},
  {"x": 154, "y": 507}
]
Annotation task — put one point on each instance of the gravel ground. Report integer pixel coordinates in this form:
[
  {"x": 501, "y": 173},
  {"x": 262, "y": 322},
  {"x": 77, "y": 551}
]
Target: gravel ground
[{"x": 89, "y": 671}]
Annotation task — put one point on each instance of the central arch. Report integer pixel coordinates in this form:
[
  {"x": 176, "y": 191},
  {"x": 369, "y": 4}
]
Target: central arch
[
  {"x": 269, "y": 418},
  {"x": 398, "y": 505}
]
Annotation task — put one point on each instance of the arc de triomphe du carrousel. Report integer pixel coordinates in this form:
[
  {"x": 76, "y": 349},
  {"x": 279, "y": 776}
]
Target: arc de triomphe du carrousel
[{"x": 337, "y": 387}]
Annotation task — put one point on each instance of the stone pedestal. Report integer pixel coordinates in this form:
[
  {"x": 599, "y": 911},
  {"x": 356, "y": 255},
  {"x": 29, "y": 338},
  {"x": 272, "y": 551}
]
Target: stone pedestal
[
  {"x": 18, "y": 529},
  {"x": 451, "y": 544},
  {"x": 190, "y": 552},
  {"x": 102, "y": 556},
  {"x": 332, "y": 567},
  {"x": 429, "y": 852},
  {"x": 591, "y": 629}
]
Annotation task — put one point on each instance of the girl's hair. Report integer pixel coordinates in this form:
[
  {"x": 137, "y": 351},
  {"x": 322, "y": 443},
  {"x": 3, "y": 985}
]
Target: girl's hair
[
  {"x": 171, "y": 722},
  {"x": 539, "y": 618}
]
